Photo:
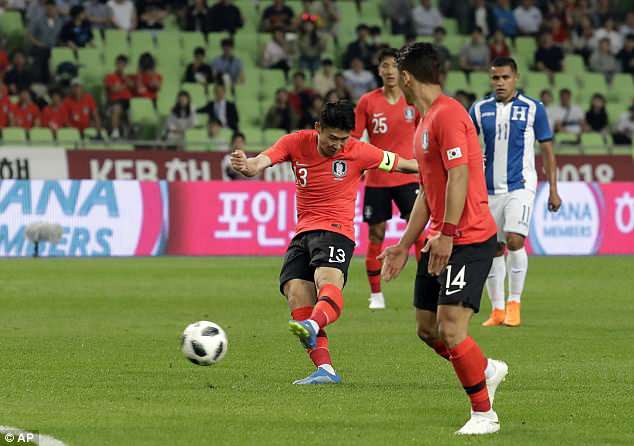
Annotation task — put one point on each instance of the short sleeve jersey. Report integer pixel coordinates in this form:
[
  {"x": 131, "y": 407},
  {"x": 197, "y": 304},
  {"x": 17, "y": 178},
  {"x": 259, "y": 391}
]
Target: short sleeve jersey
[
  {"x": 115, "y": 79},
  {"x": 54, "y": 117},
  {"x": 25, "y": 116},
  {"x": 80, "y": 111},
  {"x": 390, "y": 127},
  {"x": 327, "y": 186},
  {"x": 446, "y": 138}
]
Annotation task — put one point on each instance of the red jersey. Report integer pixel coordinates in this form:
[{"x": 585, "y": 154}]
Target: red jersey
[
  {"x": 446, "y": 138},
  {"x": 327, "y": 186},
  {"x": 5, "y": 111},
  {"x": 390, "y": 127},
  {"x": 80, "y": 111},
  {"x": 148, "y": 85},
  {"x": 25, "y": 116},
  {"x": 121, "y": 81},
  {"x": 54, "y": 118}
]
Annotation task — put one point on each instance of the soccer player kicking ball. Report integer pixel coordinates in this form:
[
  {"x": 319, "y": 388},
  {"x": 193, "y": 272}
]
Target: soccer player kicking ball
[
  {"x": 510, "y": 123},
  {"x": 390, "y": 123},
  {"x": 328, "y": 166},
  {"x": 461, "y": 239}
]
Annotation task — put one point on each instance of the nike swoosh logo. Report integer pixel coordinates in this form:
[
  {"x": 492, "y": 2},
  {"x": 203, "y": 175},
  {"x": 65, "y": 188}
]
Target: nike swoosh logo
[
  {"x": 449, "y": 293},
  {"x": 376, "y": 115}
]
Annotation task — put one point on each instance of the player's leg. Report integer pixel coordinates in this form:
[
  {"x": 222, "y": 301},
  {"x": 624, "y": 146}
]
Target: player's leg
[
  {"x": 404, "y": 197},
  {"x": 377, "y": 209},
  {"x": 497, "y": 274},
  {"x": 518, "y": 215}
]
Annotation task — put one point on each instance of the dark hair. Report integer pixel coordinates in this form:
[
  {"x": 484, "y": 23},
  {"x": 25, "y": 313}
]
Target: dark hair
[
  {"x": 505, "y": 62},
  {"x": 199, "y": 51},
  {"x": 327, "y": 61},
  {"x": 146, "y": 62},
  {"x": 375, "y": 30},
  {"x": 440, "y": 29},
  {"x": 226, "y": 42},
  {"x": 565, "y": 91},
  {"x": 178, "y": 109},
  {"x": 299, "y": 74},
  {"x": 478, "y": 29},
  {"x": 75, "y": 11},
  {"x": 362, "y": 27},
  {"x": 422, "y": 61},
  {"x": 338, "y": 115},
  {"x": 629, "y": 36},
  {"x": 387, "y": 52},
  {"x": 237, "y": 135},
  {"x": 121, "y": 58}
]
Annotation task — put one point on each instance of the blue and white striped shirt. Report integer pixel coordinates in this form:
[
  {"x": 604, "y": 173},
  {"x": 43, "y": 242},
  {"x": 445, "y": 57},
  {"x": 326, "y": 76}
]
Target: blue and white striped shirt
[{"x": 509, "y": 132}]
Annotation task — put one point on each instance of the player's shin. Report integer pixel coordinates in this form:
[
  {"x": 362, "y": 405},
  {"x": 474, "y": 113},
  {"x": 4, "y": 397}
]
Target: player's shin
[
  {"x": 320, "y": 355},
  {"x": 329, "y": 305},
  {"x": 517, "y": 268},
  {"x": 495, "y": 283},
  {"x": 373, "y": 267},
  {"x": 469, "y": 363}
]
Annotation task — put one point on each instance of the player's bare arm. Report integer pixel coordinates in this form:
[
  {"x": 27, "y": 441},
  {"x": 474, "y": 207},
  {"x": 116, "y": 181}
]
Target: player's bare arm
[
  {"x": 550, "y": 165},
  {"x": 395, "y": 257},
  {"x": 406, "y": 166},
  {"x": 249, "y": 167},
  {"x": 441, "y": 244}
]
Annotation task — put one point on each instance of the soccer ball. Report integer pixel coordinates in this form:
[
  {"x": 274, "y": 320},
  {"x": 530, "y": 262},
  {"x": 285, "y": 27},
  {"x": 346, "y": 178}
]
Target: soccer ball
[{"x": 204, "y": 343}]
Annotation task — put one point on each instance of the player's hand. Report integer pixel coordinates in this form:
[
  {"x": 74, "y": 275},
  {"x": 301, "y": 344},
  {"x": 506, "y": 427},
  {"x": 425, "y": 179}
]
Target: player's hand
[
  {"x": 239, "y": 162},
  {"x": 439, "y": 248},
  {"x": 554, "y": 201},
  {"x": 394, "y": 259}
]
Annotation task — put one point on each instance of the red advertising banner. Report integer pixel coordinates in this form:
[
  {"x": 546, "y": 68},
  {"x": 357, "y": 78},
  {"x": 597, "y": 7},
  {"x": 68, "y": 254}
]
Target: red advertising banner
[{"x": 589, "y": 168}]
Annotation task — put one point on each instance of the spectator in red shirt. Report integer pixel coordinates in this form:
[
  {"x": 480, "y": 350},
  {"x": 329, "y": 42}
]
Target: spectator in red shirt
[
  {"x": 81, "y": 108},
  {"x": 25, "y": 113},
  {"x": 54, "y": 115},
  {"x": 119, "y": 87},
  {"x": 4, "y": 59},
  {"x": 5, "y": 105},
  {"x": 147, "y": 81},
  {"x": 498, "y": 46},
  {"x": 301, "y": 96}
]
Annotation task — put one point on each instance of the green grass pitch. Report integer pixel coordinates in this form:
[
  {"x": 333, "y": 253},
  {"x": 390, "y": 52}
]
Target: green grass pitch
[{"x": 90, "y": 355}]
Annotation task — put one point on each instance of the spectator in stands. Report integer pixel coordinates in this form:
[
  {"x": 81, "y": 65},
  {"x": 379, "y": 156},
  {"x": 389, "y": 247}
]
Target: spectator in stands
[
  {"x": 392, "y": 10},
  {"x": 99, "y": 14},
  {"x": 324, "y": 79},
  {"x": 602, "y": 61},
  {"x": 311, "y": 114},
  {"x": 504, "y": 18},
  {"x": 528, "y": 18},
  {"x": 147, "y": 80},
  {"x": 25, "y": 113},
  {"x": 19, "y": 76},
  {"x": 199, "y": 71},
  {"x": 331, "y": 97},
  {"x": 426, "y": 18},
  {"x": 123, "y": 14},
  {"x": 81, "y": 108},
  {"x": 35, "y": 10},
  {"x": 341, "y": 88},
  {"x": 328, "y": 15},
  {"x": 608, "y": 30},
  {"x": 4, "y": 58},
  {"x": 596, "y": 119},
  {"x": 547, "y": 99},
  {"x": 439, "y": 43},
  {"x": 627, "y": 28},
  {"x": 310, "y": 45},
  {"x": 152, "y": 13},
  {"x": 624, "y": 129},
  {"x": 224, "y": 16},
  {"x": 277, "y": 53},
  {"x": 568, "y": 117},
  {"x": 228, "y": 65},
  {"x": 277, "y": 16},
  {"x": 474, "y": 56},
  {"x": 465, "y": 98},
  {"x": 361, "y": 48},
  {"x": 238, "y": 142},
  {"x": 626, "y": 55},
  {"x": 483, "y": 17},
  {"x": 498, "y": 46},
  {"x": 217, "y": 143},
  {"x": 582, "y": 38},
  {"x": 197, "y": 17},
  {"x": 301, "y": 96},
  {"x": 55, "y": 116},
  {"x": 222, "y": 110},
  {"x": 358, "y": 80},
  {"x": 5, "y": 106},
  {"x": 559, "y": 32},
  {"x": 181, "y": 118},
  {"x": 548, "y": 56},
  {"x": 281, "y": 114},
  {"x": 43, "y": 34},
  {"x": 119, "y": 88},
  {"x": 77, "y": 32}
]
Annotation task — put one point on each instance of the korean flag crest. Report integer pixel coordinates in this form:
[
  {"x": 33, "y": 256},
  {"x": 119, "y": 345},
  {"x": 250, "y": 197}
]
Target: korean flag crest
[
  {"x": 339, "y": 168},
  {"x": 409, "y": 114}
]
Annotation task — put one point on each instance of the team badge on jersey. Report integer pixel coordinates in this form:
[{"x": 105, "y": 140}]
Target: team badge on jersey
[
  {"x": 454, "y": 153},
  {"x": 339, "y": 168},
  {"x": 409, "y": 114},
  {"x": 425, "y": 139}
]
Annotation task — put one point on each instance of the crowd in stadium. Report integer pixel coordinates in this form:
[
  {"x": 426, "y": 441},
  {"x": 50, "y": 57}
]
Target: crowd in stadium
[{"x": 36, "y": 93}]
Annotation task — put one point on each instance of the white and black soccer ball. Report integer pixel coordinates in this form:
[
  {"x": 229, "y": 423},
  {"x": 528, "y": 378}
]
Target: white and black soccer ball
[{"x": 204, "y": 343}]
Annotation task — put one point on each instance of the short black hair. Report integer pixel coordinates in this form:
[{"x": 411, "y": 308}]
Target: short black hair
[
  {"x": 327, "y": 61},
  {"x": 440, "y": 29},
  {"x": 299, "y": 74},
  {"x": 122, "y": 58},
  {"x": 75, "y": 11},
  {"x": 505, "y": 62},
  {"x": 337, "y": 115},
  {"x": 199, "y": 51},
  {"x": 226, "y": 42},
  {"x": 387, "y": 52},
  {"x": 362, "y": 27},
  {"x": 421, "y": 60},
  {"x": 565, "y": 91},
  {"x": 237, "y": 135}
]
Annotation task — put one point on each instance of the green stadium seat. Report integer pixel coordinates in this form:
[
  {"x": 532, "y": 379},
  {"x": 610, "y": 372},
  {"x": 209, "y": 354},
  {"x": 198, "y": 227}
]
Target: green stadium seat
[
  {"x": 197, "y": 93},
  {"x": 454, "y": 43},
  {"x": 535, "y": 82},
  {"x": 68, "y": 136},
  {"x": 592, "y": 83},
  {"x": 573, "y": 64},
  {"x": 116, "y": 42},
  {"x": 11, "y": 26},
  {"x": 566, "y": 80},
  {"x": 213, "y": 43},
  {"x": 170, "y": 41},
  {"x": 91, "y": 66},
  {"x": 615, "y": 110},
  {"x": 167, "y": 98},
  {"x": 479, "y": 83},
  {"x": 142, "y": 111},
  {"x": 595, "y": 143},
  {"x": 59, "y": 55},
  {"x": 270, "y": 81},
  {"x": 13, "y": 135},
  {"x": 566, "y": 138},
  {"x": 272, "y": 135},
  {"x": 141, "y": 42},
  {"x": 451, "y": 25},
  {"x": 620, "y": 87},
  {"x": 525, "y": 48},
  {"x": 192, "y": 40},
  {"x": 41, "y": 135},
  {"x": 249, "y": 110},
  {"x": 253, "y": 135},
  {"x": 196, "y": 136},
  {"x": 456, "y": 80}
]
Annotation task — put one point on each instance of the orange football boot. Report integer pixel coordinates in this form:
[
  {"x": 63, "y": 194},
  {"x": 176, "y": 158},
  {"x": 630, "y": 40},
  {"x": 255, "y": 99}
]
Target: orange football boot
[
  {"x": 497, "y": 318},
  {"x": 512, "y": 318}
]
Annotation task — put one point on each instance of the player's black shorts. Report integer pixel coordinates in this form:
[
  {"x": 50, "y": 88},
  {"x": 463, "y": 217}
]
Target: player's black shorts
[
  {"x": 377, "y": 202},
  {"x": 313, "y": 249},
  {"x": 461, "y": 282}
]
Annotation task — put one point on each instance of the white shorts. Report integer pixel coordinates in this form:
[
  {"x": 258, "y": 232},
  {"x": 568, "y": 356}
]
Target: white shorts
[{"x": 512, "y": 212}]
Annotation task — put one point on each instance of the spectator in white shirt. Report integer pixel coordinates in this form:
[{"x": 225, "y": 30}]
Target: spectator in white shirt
[
  {"x": 528, "y": 18},
  {"x": 123, "y": 14},
  {"x": 568, "y": 117},
  {"x": 358, "y": 80},
  {"x": 624, "y": 129},
  {"x": 547, "y": 99},
  {"x": 425, "y": 18},
  {"x": 628, "y": 27},
  {"x": 609, "y": 31},
  {"x": 602, "y": 61},
  {"x": 277, "y": 53}
]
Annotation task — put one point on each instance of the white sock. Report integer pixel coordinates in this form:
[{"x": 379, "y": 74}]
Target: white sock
[
  {"x": 495, "y": 283},
  {"x": 490, "y": 370},
  {"x": 378, "y": 295},
  {"x": 517, "y": 268},
  {"x": 328, "y": 368},
  {"x": 314, "y": 325}
]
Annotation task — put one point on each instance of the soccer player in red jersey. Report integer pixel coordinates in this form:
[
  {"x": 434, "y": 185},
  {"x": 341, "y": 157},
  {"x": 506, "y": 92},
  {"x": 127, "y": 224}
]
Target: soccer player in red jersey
[
  {"x": 461, "y": 238},
  {"x": 81, "y": 108},
  {"x": 25, "y": 113},
  {"x": 390, "y": 124},
  {"x": 55, "y": 116},
  {"x": 328, "y": 166}
]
